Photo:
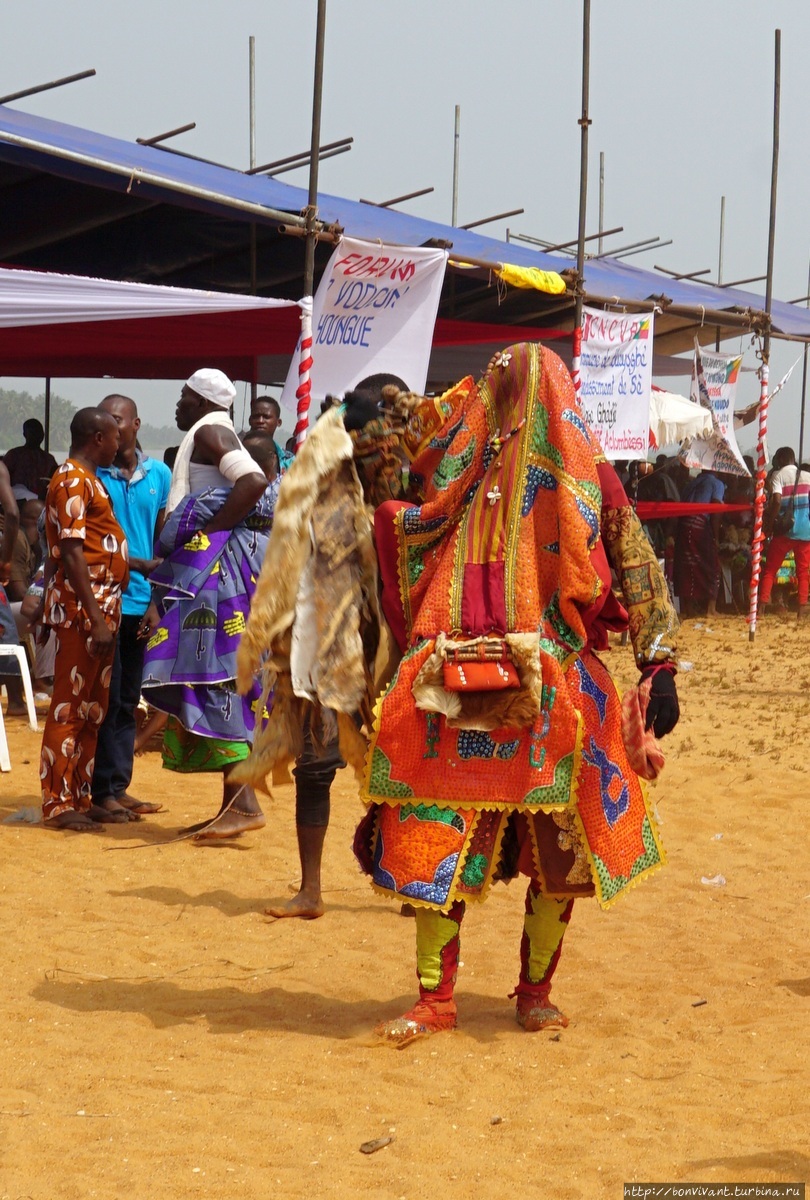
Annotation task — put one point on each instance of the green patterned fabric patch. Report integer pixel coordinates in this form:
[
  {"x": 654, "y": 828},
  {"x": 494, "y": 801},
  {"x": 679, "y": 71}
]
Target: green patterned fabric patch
[
  {"x": 381, "y": 783},
  {"x": 610, "y": 886}
]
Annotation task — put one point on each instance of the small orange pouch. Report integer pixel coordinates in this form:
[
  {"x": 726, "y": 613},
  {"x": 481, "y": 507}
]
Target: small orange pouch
[{"x": 480, "y": 676}]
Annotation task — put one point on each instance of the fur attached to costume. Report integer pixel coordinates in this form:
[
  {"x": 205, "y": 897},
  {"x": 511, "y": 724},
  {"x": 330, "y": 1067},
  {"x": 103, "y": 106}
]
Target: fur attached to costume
[
  {"x": 320, "y": 573},
  {"x": 512, "y": 708}
]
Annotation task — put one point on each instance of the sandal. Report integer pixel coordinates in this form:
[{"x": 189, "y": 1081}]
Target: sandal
[{"x": 142, "y": 807}]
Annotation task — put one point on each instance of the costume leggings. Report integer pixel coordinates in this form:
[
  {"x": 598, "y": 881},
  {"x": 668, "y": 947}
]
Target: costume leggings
[{"x": 437, "y": 945}]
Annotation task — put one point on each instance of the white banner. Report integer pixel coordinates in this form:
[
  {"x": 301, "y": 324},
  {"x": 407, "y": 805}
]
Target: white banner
[
  {"x": 714, "y": 386},
  {"x": 374, "y": 311},
  {"x": 616, "y": 373}
]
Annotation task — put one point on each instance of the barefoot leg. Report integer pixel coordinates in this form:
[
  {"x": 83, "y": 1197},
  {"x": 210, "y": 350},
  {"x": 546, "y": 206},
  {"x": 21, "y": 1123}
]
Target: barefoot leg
[
  {"x": 14, "y": 691},
  {"x": 243, "y": 813},
  {"x": 308, "y": 903},
  {"x": 151, "y": 727}
]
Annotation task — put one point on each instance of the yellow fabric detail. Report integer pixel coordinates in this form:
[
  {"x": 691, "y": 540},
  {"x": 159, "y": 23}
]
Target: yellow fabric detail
[
  {"x": 200, "y": 541},
  {"x": 234, "y": 625},
  {"x": 544, "y": 929},
  {"x": 433, "y": 932},
  {"x": 531, "y": 277},
  {"x": 160, "y": 635}
]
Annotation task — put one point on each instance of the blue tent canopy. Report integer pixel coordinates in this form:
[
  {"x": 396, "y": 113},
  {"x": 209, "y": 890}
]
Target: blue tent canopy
[{"x": 80, "y": 202}]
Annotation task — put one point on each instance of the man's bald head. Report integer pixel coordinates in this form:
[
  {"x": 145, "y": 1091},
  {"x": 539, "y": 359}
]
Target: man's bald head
[
  {"x": 94, "y": 436},
  {"x": 115, "y": 401}
]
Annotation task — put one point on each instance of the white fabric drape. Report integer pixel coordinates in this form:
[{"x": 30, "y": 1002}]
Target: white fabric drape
[
  {"x": 41, "y": 298},
  {"x": 180, "y": 486}
]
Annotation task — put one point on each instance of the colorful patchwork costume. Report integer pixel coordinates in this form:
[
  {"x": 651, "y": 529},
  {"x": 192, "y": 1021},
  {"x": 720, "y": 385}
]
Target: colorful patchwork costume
[{"x": 497, "y": 746}]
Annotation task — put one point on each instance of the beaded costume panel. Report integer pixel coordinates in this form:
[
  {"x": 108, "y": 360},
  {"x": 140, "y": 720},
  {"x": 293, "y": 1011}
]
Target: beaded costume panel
[{"x": 507, "y": 542}]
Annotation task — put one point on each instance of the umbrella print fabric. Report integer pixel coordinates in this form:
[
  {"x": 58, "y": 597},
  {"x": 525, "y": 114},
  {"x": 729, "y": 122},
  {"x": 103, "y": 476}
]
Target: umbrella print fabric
[
  {"x": 200, "y": 618},
  {"x": 206, "y": 583}
]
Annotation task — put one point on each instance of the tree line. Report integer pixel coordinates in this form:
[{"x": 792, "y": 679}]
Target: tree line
[{"x": 16, "y": 407}]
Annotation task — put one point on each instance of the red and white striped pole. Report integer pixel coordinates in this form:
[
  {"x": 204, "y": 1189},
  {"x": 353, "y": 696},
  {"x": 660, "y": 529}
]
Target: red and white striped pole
[
  {"x": 303, "y": 393},
  {"x": 576, "y": 357},
  {"x": 758, "y": 538},
  {"x": 584, "y": 125},
  {"x": 759, "y": 495}
]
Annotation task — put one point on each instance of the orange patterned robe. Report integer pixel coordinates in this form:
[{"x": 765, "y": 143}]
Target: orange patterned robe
[{"x": 78, "y": 507}]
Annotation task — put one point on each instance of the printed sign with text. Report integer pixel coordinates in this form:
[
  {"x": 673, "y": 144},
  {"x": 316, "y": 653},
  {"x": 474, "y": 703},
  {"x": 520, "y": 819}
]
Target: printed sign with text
[
  {"x": 616, "y": 374},
  {"x": 374, "y": 311}
]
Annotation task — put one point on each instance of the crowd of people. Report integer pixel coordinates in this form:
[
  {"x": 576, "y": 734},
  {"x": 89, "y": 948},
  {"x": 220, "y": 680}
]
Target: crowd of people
[
  {"x": 707, "y": 555},
  {"x": 495, "y": 515}
]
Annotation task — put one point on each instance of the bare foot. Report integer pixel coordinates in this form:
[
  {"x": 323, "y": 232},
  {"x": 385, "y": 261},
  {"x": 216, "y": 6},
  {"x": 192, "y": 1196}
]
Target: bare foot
[
  {"x": 106, "y": 816},
  {"x": 16, "y": 710},
  {"x": 305, "y": 905},
  {"x": 75, "y": 821},
  {"x": 230, "y": 825}
]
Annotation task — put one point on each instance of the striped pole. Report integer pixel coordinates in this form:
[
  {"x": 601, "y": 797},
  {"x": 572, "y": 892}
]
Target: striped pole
[
  {"x": 758, "y": 539},
  {"x": 303, "y": 393},
  {"x": 576, "y": 356},
  {"x": 759, "y": 495},
  {"x": 584, "y": 125}
]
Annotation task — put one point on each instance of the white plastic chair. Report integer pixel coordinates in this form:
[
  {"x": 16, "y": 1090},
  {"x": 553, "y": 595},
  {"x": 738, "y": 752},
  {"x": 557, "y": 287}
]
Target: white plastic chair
[
  {"x": 18, "y": 652},
  {"x": 5, "y": 761}
]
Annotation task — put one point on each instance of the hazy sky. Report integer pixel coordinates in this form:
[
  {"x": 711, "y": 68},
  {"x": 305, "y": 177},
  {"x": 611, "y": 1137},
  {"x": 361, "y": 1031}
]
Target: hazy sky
[{"x": 681, "y": 103}]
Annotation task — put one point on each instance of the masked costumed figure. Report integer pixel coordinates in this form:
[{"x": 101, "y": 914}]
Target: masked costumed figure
[{"x": 497, "y": 746}]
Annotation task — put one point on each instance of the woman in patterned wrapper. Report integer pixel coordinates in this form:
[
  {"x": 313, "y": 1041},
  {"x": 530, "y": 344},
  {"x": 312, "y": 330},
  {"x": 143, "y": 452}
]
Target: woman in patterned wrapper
[{"x": 498, "y": 745}]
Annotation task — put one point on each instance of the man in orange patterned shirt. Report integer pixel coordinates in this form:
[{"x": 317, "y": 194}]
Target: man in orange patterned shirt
[{"x": 85, "y": 576}]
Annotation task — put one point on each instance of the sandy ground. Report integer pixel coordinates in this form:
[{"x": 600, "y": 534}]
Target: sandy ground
[{"x": 162, "y": 1038}]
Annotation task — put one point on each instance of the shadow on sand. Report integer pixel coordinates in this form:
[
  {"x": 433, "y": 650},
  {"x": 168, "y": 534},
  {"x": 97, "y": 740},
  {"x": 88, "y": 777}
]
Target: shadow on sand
[
  {"x": 233, "y": 1010},
  {"x": 788, "y": 1166}
]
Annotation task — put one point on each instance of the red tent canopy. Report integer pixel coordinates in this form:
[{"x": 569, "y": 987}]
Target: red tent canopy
[{"x": 172, "y": 347}]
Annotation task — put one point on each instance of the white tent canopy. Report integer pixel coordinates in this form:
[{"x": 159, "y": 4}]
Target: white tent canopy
[{"x": 40, "y": 298}]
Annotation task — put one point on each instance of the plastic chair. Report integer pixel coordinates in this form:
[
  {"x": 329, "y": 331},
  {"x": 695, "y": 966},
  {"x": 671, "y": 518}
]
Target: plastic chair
[
  {"x": 5, "y": 761},
  {"x": 18, "y": 652}
]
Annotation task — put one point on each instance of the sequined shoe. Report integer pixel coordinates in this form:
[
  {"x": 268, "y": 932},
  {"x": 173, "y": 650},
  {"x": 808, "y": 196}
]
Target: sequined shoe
[
  {"x": 426, "y": 1017},
  {"x": 537, "y": 1012}
]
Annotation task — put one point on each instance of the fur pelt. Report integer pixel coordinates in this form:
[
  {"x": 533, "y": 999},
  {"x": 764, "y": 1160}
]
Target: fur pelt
[
  {"x": 512, "y": 708},
  {"x": 272, "y": 610},
  {"x": 279, "y": 743},
  {"x": 322, "y": 520}
]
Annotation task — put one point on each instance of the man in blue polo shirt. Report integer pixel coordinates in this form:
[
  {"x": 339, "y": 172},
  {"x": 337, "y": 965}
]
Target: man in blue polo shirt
[{"x": 138, "y": 488}]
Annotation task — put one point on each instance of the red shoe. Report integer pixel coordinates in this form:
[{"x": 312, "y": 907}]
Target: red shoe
[
  {"x": 426, "y": 1017},
  {"x": 535, "y": 1012}
]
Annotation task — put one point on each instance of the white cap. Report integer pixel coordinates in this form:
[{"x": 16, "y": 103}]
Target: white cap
[{"x": 213, "y": 385}]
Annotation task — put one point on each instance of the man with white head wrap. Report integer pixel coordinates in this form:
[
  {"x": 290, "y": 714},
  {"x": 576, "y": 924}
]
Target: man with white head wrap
[{"x": 216, "y": 485}]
